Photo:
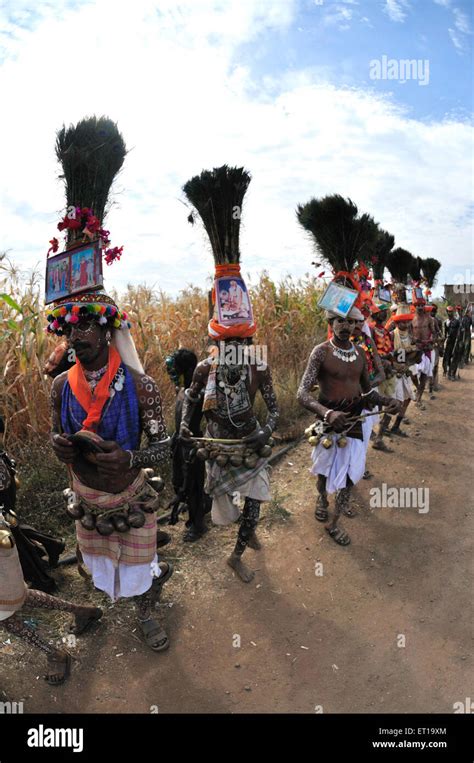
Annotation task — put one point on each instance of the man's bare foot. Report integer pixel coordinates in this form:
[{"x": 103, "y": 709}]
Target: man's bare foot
[
  {"x": 253, "y": 542},
  {"x": 241, "y": 569},
  {"x": 59, "y": 667},
  {"x": 85, "y": 618}
]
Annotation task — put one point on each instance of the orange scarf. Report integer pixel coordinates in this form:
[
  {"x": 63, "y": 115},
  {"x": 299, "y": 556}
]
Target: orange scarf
[{"x": 93, "y": 403}]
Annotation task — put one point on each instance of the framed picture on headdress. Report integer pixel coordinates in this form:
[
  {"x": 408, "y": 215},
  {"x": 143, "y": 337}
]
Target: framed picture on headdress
[
  {"x": 76, "y": 270},
  {"x": 58, "y": 277},
  {"x": 338, "y": 299},
  {"x": 232, "y": 301},
  {"x": 384, "y": 294}
]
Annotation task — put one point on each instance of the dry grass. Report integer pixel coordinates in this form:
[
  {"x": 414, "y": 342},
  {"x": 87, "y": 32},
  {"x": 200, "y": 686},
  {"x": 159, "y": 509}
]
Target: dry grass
[{"x": 289, "y": 323}]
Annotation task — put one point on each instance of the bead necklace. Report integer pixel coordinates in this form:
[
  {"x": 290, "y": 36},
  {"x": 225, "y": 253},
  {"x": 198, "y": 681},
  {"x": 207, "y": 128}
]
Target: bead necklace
[{"x": 94, "y": 377}]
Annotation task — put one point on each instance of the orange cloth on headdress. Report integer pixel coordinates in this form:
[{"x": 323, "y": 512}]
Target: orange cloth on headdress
[
  {"x": 215, "y": 329},
  {"x": 93, "y": 403}
]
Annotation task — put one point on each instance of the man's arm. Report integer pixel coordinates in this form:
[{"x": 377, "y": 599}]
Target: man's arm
[
  {"x": 153, "y": 425},
  {"x": 268, "y": 394},
  {"x": 260, "y": 437},
  {"x": 63, "y": 449},
  {"x": 114, "y": 459},
  {"x": 192, "y": 397},
  {"x": 374, "y": 398},
  {"x": 379, "y": 371},
  {"x": 310, "y": 379}
]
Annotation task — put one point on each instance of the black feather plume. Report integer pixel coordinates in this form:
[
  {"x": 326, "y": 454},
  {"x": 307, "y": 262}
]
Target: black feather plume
[
  {"x": 399, "y": 262},
  {"x": 341, "y": 237},
  {"x": 429, "y": 268},
  {"x": 91, "y": 154},
  {"x": 383, "y": 246},
  {"x": 217, "y": 195},
  {"x": 415, "y": 268}
]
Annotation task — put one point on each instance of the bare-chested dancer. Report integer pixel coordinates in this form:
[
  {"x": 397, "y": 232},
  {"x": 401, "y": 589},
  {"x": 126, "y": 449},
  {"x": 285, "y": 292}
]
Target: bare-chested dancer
[
  {"x": 437, "y": 348},
  {"x": 340, "y": 369},
  {"x": 424, "y": 332},
  {"x": 229, "y": 391}
]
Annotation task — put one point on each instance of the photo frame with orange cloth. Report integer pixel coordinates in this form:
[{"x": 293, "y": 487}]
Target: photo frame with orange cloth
[
  {"x": 338, "y": 299},
  {"x": 232, "y": 301},
  {"x": 384, "y": 294},
  {"x": 78, "y": 269}
]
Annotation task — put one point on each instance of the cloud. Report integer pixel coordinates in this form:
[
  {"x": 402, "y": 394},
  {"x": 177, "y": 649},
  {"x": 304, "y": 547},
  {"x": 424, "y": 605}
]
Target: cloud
[
  {"x": 456, "y": 39},
  {"x": 338, "y": 15},
  {"x": 185, "y": 97},
  {"x": 461, "y": 24},
  {"x": 461, "y": 21},
  {"x": 396, "y": 9}
]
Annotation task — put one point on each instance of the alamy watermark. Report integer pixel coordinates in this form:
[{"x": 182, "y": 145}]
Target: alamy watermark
[
  {"x": 400, "y": 498},
  {"x": 231, "y": 354},
  {"x": 463, "y": 283},
  {"x": 400, "y": 69},
  {"x": 11, "y": 708}
]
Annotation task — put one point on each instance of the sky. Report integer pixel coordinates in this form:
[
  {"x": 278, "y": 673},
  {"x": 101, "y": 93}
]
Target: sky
[{"x": 311, "y": 96}]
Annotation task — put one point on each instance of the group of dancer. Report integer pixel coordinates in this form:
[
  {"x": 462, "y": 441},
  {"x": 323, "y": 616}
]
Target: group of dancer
[{"x": 109, "y": 430}]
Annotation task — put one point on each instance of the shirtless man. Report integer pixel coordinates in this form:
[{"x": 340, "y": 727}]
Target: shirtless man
[
  {"x": 437, "y": 348},
  {"x": 229, "y": 390},
  {"x": 423, "y": 330},
  {"x": 340, "y": 369}
]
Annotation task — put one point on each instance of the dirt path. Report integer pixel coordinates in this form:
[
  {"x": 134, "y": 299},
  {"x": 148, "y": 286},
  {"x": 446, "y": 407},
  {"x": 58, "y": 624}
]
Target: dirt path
[{"x": 306, "y": 640}]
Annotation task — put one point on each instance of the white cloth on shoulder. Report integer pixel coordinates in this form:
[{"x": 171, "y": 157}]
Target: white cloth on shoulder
[{"x": 336, "y": 463}]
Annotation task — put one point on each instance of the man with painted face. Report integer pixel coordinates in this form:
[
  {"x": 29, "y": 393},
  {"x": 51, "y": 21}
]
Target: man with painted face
[
  {"x": 108, "y": 400},
  {"x": 384, "y": 343},
  {"x": 228, "y": 382},
  {"x": 424, "y": 331},
  {"x": 437, "y": 347},
  {"x": 340, "y": 369}
]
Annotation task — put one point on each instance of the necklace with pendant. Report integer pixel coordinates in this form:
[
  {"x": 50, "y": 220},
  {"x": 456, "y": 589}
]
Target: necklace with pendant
[
  {"x": 227, "y": 387},
  {"x": 94, "y": 377},
  {"x": 230, "y": 391},
  {"x": 348, "y": 356}
]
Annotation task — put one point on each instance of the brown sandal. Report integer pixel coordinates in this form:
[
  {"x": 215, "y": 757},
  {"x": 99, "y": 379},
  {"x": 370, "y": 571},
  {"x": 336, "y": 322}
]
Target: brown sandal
[
  {"x": 154, "y": 634},
  {"x": 59, "y": 667}
]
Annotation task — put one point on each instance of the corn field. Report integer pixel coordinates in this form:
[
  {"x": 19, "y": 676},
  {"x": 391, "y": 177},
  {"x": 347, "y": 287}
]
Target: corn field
[{"x": 289, "y": 324}]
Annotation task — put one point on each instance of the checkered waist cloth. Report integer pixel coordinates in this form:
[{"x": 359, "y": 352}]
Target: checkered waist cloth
[{"x": 137, "y": 545}]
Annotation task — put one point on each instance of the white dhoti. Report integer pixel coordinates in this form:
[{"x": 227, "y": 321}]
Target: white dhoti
[
  {"x": 336, "y": 464},
  {"x": 226, "y": 487},
  {"x": 121, "y": 580},
  {"x": 425, "y": 366},
  {"x": 368, "y": 425},
  {"x": 404, "y": 389}
]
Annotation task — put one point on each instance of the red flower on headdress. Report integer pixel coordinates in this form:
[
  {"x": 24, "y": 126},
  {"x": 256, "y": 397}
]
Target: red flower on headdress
[
  {"x": 54, "y": 246},
  {"x": 105, "y": 236},
  {"x": 113, "y": 254},
  {"x": 69, "y": 222},
  {"x": 93, "y": 225}
]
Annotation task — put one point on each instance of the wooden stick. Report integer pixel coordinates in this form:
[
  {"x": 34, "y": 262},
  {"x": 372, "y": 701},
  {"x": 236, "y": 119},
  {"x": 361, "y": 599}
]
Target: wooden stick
[{"x": 217, "y": 439}]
